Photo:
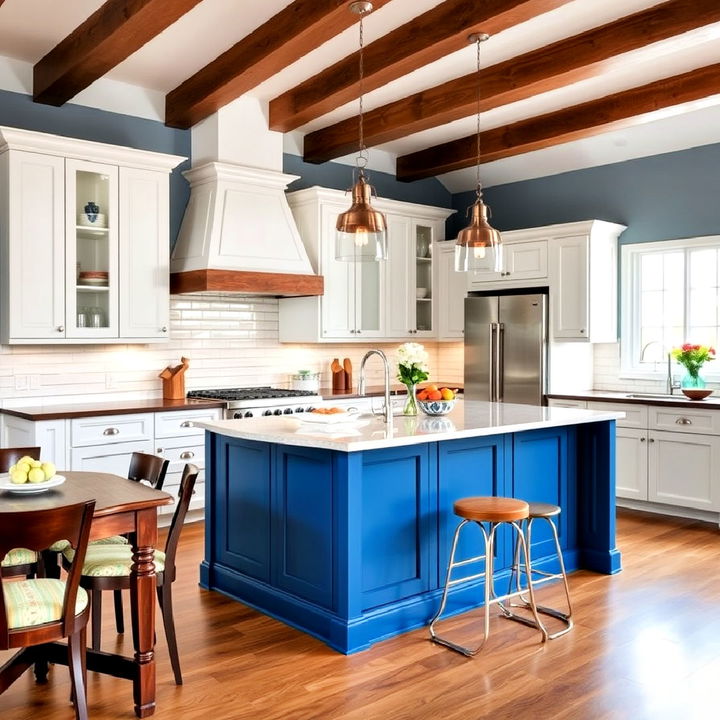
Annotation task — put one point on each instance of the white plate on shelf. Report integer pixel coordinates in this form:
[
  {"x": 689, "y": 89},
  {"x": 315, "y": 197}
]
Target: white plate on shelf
[{"x": 29, "y": 488}]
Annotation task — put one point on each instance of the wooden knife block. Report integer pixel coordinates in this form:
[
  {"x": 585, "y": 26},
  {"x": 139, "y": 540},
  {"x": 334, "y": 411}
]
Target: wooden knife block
[{"x": 173, "y": 380}]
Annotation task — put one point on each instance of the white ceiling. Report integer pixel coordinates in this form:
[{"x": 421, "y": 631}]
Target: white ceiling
[{"x": 215, "y": 25}]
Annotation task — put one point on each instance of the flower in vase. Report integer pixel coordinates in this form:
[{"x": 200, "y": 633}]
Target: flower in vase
[
  {"x": 692, "y": 357},
  {"x": 412, "y": 362}
]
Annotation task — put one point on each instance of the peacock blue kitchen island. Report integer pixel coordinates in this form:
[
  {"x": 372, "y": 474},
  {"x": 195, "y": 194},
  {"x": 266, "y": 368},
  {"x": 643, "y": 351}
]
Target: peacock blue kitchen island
[{"x": 344, "y": 532}]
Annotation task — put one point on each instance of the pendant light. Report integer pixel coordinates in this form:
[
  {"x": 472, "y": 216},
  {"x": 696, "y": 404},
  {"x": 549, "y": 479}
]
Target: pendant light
[
  {"x": 478, "y": 240},
  {"x": 361, "y": 231}
]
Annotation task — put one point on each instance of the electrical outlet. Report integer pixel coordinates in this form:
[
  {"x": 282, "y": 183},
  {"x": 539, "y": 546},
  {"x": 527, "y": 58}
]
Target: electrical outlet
[{"x": 21, "y": 382}]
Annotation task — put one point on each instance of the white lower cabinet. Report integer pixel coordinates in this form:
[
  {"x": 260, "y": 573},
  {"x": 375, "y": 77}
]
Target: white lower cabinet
[
  {"x": 105, "y": 443},
  {"x": 684, "y": 470},
  {"x": 631, "y": 452}
]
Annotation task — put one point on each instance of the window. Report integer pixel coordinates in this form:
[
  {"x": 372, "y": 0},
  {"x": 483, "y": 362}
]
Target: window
[{"x": 670, "y": 295}]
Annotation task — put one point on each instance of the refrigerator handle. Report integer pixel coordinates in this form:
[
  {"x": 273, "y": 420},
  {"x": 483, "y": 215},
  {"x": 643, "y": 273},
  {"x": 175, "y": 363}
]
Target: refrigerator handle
[
  {"x": 500, "y": 363},
  {"x": 491, "y": 363}
]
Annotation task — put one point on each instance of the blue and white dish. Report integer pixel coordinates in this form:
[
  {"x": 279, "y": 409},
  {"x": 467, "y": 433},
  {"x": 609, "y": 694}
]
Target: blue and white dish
[{"x": 436, "y": 407}]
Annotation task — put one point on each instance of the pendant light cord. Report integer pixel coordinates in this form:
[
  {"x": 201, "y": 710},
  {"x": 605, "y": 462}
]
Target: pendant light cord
[
  {"x": 362, "y": 158},
  {"x": 478, "y": 191}
]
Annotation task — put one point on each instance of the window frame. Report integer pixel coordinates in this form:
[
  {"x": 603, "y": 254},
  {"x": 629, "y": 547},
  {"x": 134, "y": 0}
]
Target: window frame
[{"x": 630, "y": 294}]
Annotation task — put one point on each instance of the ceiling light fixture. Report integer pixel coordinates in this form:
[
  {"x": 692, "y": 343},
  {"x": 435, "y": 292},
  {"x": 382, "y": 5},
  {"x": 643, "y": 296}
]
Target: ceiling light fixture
[
  {"x": 361, "y": 231},
  {"x": 478, "y": 239}
]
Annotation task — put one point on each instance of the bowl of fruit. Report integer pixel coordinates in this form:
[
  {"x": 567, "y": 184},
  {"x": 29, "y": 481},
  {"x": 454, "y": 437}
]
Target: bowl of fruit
[
  {"x": 436, "y": 401},
  {"x": 28, "y": 475}
]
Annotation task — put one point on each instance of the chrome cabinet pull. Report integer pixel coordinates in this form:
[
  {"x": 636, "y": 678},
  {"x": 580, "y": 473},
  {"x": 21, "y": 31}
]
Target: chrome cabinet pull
[
  {"x": 187, "y": 455},
  {"x": 500, "y": 362},
  {"x": 187, "y": 423},
  {"x": 163, "y": 329},
  {"x": 111, "y": 431},
  {"x": 683, "y": 421},
  {"x": 60, "y": 328}
]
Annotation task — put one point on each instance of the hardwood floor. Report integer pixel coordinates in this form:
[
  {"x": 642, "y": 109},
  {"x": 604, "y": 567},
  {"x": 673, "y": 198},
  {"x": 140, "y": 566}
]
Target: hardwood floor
[{"x": 646, "y": 645}]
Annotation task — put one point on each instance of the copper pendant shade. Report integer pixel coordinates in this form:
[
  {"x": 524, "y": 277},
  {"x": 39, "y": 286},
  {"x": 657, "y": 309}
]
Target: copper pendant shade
[
  {"x": 479, "y": 244},
  {"x": 361, "y": 230},
  {"x": 477, "y": 240}
]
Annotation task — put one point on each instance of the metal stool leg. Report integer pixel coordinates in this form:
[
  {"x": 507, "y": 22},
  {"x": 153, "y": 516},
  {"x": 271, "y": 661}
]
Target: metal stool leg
[
  {"x": 517, "y": 569},
  {"x": 487, "y": 558}
]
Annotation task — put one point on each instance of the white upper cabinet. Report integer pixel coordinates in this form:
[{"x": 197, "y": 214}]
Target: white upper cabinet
[
  {"x": 522, "y": 260},
  {"x": 451, "y": 293},
  {"x": 32, "y": 246},
  {"x": 583, "y": 281},
  {"x": 84, "y": 240},
  {"x": 391, "y": 300}
]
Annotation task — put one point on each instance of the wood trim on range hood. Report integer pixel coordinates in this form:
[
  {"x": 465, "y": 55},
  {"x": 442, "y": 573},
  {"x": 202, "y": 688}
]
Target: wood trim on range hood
[{"x": 241, "y": 281}]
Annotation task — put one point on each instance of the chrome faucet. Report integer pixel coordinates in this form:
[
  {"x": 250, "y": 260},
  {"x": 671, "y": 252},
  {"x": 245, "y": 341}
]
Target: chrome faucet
[
  {"x": 361, "y": 384},
  {"x": 669, "y": 384}
]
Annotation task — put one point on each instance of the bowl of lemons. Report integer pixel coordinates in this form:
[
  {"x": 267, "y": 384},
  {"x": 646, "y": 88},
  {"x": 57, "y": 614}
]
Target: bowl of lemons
[
  {"x": 436, "y": 401},
  {"x": 28, "y": 475}
]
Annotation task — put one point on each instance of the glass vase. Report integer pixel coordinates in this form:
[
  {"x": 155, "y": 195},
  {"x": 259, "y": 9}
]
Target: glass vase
[
  {"x": 411, "y": 407},
  {"x": 692, "y": 381}
]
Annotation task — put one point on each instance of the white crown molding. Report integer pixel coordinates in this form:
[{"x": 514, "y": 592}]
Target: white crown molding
[{"x": 31, "y": 141}]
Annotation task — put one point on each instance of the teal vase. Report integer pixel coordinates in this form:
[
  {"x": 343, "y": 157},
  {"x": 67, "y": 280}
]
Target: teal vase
[{"x": 692, "y": 381}]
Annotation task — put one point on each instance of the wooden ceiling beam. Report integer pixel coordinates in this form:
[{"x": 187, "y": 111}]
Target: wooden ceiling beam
[
  {"x": 568, "y": 61},
  {"x": 295, "y": 31},
  {"x": 613, "y": 112},
  {"x": 111, "y": 34},
  {"x": 426, "y": 38}
]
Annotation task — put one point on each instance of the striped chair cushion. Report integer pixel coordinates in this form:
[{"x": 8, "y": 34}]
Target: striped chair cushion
[
  {"x": 19, "y": 556},
  {"x": 34, "y": 602},
  {"x": 111, "y": 560},
  {"x": 62, "y": 545}
]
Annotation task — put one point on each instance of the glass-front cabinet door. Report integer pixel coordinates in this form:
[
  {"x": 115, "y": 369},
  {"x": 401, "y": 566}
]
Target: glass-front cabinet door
[
  {"x": 91, "y": 251},
  {"x": 423, "y": 237},
  {"x": 369, "y": 283}
]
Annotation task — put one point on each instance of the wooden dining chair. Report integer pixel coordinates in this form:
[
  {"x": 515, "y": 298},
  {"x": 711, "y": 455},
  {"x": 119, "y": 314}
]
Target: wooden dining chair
[
  {"x": 19, "y": 561},
  {"x": 43, "y": 610},
  {"x": 107, "y": 567}
]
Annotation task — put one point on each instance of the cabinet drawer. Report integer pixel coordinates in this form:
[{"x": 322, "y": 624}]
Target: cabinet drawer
[
  {"x": 114, "y": 458},
  {"x": 182, "y": 422},
  {"x": 181, "y": 453},
  {"x": 172, "y": 487},
  {"x": 636, "y": 416},
  {"x": 579, "y": 404},
  {"x": 685, "y": 420},
  {"x": 110, "y": 429}
]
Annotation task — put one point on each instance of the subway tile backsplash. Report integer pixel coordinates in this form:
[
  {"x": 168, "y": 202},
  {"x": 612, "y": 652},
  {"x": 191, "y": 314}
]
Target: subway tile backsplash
[{"x": 230, "y": 340}]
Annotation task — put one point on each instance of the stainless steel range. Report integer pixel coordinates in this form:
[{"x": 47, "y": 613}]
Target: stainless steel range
[{"x": 258, "y": 401}]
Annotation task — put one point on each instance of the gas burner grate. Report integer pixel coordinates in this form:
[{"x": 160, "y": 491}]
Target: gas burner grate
[{"x": 256, "y": 393}]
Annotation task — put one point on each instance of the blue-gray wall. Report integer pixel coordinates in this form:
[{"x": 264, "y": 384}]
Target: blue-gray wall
[
  {"x": 673, "y": 195},
  {"x": 18, "y": 110},
  {"x": 340, "y": 177}
]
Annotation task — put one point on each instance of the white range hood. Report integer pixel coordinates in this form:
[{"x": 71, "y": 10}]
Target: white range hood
[{"x": 238, "y": 233}]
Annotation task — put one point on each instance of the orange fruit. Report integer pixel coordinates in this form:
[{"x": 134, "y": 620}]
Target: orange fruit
[
  {"x": 422, "y": 395},
  {"x": 447, "y": 394},
  {"x": 431, "y": 388},
  {"x": 435, "y": 395}
]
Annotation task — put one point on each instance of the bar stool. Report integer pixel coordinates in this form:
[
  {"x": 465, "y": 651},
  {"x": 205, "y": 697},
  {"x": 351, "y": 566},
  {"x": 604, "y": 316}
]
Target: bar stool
[
  {"x": 493, "y": 511},
  {"x": 538, "y": 511}
]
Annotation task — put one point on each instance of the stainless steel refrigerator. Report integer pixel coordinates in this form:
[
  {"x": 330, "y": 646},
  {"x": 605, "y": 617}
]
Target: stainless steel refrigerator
[{"x": 506, "y": 348}]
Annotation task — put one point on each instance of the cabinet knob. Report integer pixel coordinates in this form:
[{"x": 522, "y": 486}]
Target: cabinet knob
[
  {"x": 187, "y": 455},
  {"x": 163, "y": 328},
  {"x": 187, "y": 423},
  {"x": 642, "y": 439},
  {"x": 651, "y": 440},
  {"x": 160, "y": 450},
  {"x": 582, "y": 331},
  {"x": 111, "y": 431},
  {"x": 60, "y": 328},
  {"x": 358, "y": 331},
  {"x": 683, "y": 421}
]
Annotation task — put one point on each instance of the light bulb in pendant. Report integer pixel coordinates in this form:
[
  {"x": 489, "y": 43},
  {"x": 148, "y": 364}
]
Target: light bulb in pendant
[{"x": 362, "y": 237}]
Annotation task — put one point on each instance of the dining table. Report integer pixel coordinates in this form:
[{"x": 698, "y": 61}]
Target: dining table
[{"x": 122, "y": 506}]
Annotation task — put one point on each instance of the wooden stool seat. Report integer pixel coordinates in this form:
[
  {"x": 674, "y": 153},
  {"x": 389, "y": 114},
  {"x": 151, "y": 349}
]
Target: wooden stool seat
[
  {"x": 491, "y": 509},
  {"x": 543, "y": 510}
]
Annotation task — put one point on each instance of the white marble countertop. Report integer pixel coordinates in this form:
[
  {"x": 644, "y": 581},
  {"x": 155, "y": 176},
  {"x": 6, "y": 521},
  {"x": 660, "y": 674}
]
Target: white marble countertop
[{"x": 468, "y": 419}]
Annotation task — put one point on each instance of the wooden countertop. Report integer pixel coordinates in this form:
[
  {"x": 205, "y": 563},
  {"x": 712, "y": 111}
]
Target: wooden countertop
[{"x": 59, "y": 412}]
